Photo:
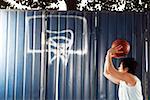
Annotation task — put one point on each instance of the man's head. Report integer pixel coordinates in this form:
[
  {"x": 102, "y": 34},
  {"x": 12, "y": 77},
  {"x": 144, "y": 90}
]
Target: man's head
[{"x": 128, "y": 65}]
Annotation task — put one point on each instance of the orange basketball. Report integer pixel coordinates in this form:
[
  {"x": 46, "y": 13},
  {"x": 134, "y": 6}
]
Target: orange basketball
[{"x": 125, "y": 47}]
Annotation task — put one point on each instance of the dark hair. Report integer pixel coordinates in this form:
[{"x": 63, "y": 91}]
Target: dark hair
[{"x": 129, "y": 63}]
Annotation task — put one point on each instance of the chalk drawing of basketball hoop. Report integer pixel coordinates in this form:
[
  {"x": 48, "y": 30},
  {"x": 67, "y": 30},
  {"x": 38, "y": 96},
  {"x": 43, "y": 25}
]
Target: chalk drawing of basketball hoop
[
  {"x": 61, "y": 49},
  {"x": 59, "y": 45},
  {"x": 51, "y": 41}
]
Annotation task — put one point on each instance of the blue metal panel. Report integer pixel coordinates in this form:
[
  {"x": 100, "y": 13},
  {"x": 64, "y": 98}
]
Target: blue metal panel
[
  {"x": 10, "y": 55},
  {"x": 18, "y": 84},
  {"x": 3, "y": 51}
]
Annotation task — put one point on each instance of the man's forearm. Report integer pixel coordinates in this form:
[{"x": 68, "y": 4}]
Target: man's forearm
[
  {"x": 109, "y": 64},
  {"x": 105, "y": 68}
]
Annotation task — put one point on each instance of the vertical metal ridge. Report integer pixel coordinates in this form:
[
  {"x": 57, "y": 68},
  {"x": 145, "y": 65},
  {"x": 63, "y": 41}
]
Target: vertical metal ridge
[
  {"x": 57, "y": 66},
  {"x": 5, "y": 54},
  {"x": 16, "y": 56},
  {"x": 49, "y": 54},
  {"x": 83, "y": 64},
  {"x": 42, "y": 85},
  {"x": 45, "y": 56},
  {"x": 24, "y": 67},
  {"x": 7, "y": 68},
  {"x": 96, "y": 19},
  {"x": 72, "y": 65},
  {"x": 65, "y": 67},
  {"x": 33, "y": 55},
  {"x": 146, "y": 55},
  {"x": 0, "y": 31},
  {"x": 146, "y": 69},
  {"x": 74, "y": 62}
]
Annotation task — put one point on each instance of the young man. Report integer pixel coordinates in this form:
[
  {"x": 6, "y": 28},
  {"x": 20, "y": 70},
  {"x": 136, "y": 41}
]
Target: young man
[{"x": 129, "y": 85}]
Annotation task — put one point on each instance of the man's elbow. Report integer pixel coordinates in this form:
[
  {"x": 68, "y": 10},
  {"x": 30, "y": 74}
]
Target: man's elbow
[{"x": 105, "y": 73}]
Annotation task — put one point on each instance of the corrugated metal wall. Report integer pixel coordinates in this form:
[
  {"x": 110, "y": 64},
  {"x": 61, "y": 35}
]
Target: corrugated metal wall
[{"x": 60, "y": 55}]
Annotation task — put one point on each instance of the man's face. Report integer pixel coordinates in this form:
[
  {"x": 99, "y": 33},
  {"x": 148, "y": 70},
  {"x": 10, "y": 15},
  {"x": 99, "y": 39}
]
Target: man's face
[{"x": 120, "y": 69}]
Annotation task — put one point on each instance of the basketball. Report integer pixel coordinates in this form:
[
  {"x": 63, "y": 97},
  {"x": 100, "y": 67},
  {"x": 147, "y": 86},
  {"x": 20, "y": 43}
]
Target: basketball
[{"x": 125, "y": 47}]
